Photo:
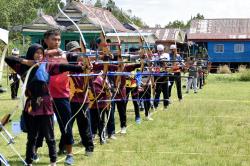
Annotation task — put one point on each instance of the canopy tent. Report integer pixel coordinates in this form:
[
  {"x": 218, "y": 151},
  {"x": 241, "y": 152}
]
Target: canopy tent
[{"x": 4, "y": 35}]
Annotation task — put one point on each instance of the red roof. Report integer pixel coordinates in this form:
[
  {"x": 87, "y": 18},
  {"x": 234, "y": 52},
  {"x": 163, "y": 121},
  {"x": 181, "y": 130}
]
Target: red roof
[
  {"x": 99, "y": 12},
  {"x": 219, "y": 29}
]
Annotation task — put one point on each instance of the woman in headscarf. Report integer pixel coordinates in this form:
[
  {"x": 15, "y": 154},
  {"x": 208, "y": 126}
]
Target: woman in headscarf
[{"x": 39, "y": 105}]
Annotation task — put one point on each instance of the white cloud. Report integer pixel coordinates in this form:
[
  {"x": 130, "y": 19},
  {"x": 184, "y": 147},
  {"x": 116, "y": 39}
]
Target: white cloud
[{"x": 162, "y": 11}]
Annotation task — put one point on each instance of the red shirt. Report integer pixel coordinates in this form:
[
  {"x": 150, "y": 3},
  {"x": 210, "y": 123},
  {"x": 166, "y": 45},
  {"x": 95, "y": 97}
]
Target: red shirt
[{"x": 59, "y": 84}]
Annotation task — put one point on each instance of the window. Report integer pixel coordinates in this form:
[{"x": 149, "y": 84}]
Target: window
[
  {"x": 219, "y": 48},
  {"x": 238, "y": 48}
]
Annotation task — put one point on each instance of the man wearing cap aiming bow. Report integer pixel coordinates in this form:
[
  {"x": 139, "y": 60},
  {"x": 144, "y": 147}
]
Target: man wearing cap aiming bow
[
  {"x": 177, "y": 64},
  {"x": 161, "y": 81}
]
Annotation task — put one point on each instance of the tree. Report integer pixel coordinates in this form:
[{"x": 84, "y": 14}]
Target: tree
[
  {"x": 110, "y": 5},
  {"x": 182, "y": 25},
  {"x": 197, "y": 17},
  {"x": 124, "y": 17},
  {"x": 22, "y": 11},
  {"x": 176, "y": 24},
  {"x": 98, "y": 4}
]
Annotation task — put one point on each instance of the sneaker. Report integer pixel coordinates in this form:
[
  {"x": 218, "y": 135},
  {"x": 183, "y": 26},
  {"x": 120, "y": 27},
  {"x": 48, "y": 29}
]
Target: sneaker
[
  {"x": 180, "y": 100},
  {"x": 138, "y": 120},
  {"x": 195, "y": 92},
  {"x": 148, "y": 118},
  {"x": 53, "y": 164},
  {"x": 187, "y": 92},
  {"x": 112, "y": 136},
  {"x": 69, "y": 160},
  {"x": 123, "y": 130},
  {"x": 35, "y": 158},
  {"x": 88, "y": 153}
]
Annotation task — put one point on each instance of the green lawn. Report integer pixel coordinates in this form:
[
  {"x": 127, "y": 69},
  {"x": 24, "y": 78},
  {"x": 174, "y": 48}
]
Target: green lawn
[{"x": 208, "y": 128}]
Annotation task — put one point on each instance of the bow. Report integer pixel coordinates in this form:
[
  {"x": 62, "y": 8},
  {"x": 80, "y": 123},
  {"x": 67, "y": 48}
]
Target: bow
[
  {"x": 86, "y": 63},
  {"x": 106, "y": 52},
  {"x": 147, "y": 52},
  {"x": 103, "y": 45},
  {"x": 119, "y": 58}
]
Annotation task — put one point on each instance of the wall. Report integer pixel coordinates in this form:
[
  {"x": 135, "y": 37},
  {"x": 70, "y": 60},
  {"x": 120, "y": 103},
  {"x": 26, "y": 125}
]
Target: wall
[
  {"x": 37, "y": 37},
  {"x": 229, "y": 55}
]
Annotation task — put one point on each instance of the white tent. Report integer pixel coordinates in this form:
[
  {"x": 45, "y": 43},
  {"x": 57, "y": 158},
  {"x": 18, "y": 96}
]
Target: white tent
[{"x": 4, "y": 35}]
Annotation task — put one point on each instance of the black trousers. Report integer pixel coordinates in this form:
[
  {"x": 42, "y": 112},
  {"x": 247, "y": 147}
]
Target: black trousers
[
  {"x": 161, "y": 87},
  {"x": 98, "y": 121},
  {"x": 146, "y": 95},
  {"x": 121, "y": 107},
  {"x": 63, "y": 114},
  {"x": 14, "y": 86},
  {"x": 83, "y": 123},
  {"x": 177, "y": 79},
  {"x": 134, "y": 96},
  {"x": 111, "y": 120},
  {"x": 44, "y": 125},
  {"x": 200, "y": 81}
]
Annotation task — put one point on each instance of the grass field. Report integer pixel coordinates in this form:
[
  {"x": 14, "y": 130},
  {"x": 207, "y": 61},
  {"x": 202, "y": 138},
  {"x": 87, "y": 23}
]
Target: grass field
[{"x": 209, "y": 128}]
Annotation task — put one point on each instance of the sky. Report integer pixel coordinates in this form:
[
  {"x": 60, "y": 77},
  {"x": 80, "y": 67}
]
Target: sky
[{"x": 161, "y": 12}]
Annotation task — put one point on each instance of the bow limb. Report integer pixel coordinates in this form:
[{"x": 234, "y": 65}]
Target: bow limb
[
  {"x": 86, "y": 63},
  {"x": 147, "y": 53},
  {"x": 119, "y": 56},
  {"x": 6, "y": 118},
  {"x": 105, "y": 51}
]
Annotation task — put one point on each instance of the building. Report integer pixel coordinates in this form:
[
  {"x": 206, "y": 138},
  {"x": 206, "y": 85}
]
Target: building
[
  {"x": 168, "y": 36},
  {"x": 225, "y": 40},
  {"x": 82, "y": 15},
  {"x": 133, "y": 40}
]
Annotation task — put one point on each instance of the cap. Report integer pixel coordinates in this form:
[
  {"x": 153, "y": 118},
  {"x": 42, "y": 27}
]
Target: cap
[
  {"x": 15, "y": 51},
  {"x": 72, "y": 46},
  {"x": 173, "y": 46},
  {"x": 160, "y": 47}
]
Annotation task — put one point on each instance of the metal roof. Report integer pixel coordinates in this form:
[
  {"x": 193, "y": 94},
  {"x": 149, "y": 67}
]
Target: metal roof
[
  {"x": 99, "y": 12},
  {"x": 167, "y": 34},
  {"x": 219, "y": 29}
]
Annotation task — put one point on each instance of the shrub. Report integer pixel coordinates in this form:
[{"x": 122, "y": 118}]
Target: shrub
[
  {"x": 224, "y": 70},
  {"x": 245, "y": 76},
  {"x": 242, "y": 68}
]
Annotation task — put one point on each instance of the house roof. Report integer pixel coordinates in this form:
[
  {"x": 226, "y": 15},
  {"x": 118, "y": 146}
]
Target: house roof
[
  {"x": 167, "y": 34},
  {"x": 132, "y": 37},
  {"x": 219, "y": 29},
  {"x": 42, "y": 23},
  {"x": 96, "y": 19},
  {"x": 82, "y": 15}
]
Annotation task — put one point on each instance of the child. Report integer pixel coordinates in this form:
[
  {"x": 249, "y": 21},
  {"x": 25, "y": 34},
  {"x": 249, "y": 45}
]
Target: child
[
  {"x": 192, "y": 79},
  {"x": 39, "y": 102}
]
